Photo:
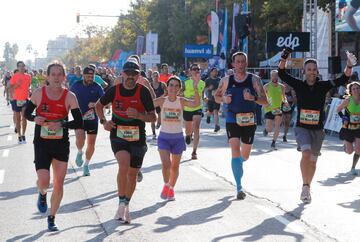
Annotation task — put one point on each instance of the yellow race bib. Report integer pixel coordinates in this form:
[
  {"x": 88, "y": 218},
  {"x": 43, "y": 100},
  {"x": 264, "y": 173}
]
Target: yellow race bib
[
  {"x": 309, "y": 117},
  {"x": 128, "y": 133}
]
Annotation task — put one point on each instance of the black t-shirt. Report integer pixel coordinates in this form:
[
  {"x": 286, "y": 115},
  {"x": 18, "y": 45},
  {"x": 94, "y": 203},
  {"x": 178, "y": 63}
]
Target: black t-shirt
[
  {"x": 311, "y": 99},
  {"x": 146, "y": 101},
  {"x": 212, "y": 85}
]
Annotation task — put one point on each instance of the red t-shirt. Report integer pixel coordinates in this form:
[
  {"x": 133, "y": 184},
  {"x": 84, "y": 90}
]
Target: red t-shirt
[
  {"x": 164, "y": 78},
  {"x": 21, "y": 92}
]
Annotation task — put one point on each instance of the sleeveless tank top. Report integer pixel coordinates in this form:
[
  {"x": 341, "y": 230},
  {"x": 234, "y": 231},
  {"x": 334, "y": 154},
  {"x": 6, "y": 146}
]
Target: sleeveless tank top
[
  {"x": 52, "y": 110},
  {"x": 171, "y": 116},
  {"x": 354, "y": 114},
  {"x": 275, "y": 98}
]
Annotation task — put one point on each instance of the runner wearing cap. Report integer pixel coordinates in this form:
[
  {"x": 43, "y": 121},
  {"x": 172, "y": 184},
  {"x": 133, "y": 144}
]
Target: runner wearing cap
[
  {"x": 87, "y": 93},
  {"x": 132, "y": 106}
]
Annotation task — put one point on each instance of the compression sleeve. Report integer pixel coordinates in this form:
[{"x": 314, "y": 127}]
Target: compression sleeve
[
  {"x": 30, "y": 107},
  {"x": 77, "y": 123}
]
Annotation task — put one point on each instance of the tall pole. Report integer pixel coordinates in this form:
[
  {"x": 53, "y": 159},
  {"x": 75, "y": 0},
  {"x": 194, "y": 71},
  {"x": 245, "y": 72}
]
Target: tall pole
[{"x": 245, "y": 40}]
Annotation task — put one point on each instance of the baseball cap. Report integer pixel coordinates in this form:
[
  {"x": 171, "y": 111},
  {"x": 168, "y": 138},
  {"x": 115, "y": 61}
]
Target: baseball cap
[
  {"x": 131, "y": 66},
  {"x": 88, "y": 70}
]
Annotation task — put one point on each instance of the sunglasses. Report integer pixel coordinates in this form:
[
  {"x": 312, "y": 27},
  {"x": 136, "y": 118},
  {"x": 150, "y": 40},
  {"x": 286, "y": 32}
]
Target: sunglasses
[
  {"x": 172, "y": 85},
  {"x": 195, "y": 69}
]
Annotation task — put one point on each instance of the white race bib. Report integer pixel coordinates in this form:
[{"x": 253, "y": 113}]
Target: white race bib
[
  {"x": 128, "y": 133},
  {"x": 245, "y": 119},
  {"x": 45, "y": 133},
  {"x": 309, "y": 117}
]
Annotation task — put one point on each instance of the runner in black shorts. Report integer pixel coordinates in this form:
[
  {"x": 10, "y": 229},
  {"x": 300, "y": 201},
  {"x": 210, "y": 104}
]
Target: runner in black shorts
[
  {"x": 211, "y": 84},
  {"x": 51, "y": 139},
  {"x": 288, "y": 109},
  {"x": 160, "y": 90},
  {"x": 87, "y": 92},
  {"x": 132, "y": 106}
]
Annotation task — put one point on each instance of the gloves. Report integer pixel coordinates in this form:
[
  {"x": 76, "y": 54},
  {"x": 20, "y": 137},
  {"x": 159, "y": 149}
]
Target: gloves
[{"x": 286, "y": 52}]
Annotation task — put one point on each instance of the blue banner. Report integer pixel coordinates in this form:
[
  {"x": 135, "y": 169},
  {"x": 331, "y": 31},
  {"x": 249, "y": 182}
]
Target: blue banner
[{"x": 198, "y": 51}]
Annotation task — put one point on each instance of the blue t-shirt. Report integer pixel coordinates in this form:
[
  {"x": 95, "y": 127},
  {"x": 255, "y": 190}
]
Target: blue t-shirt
[
  {"x": 85, "y": 95},
  {"x": 72, "y": 78}
]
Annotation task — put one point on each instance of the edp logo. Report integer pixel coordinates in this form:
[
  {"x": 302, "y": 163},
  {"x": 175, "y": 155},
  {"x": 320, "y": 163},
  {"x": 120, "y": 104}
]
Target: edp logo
[{"x": 289, "y": 41}]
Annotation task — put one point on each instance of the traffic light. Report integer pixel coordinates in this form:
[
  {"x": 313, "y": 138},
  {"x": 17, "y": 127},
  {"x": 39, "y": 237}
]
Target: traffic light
[{"x": 77, "y": 17}]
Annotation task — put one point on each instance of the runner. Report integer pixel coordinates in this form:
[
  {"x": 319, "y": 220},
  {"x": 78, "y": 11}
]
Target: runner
[
  {"x": 275, "y": 92},
  {"x": 349, "y": 15},
  {"x": 309, "y": 131},
  {"x": 193, "y": 115},
  {"x": 171, "y": 142},
  {"x": 288, "y": 109},
  {"x": 74, "y": 78},
  {"x": 350, "y": 132},
  {"x": 51, "y": 138},
  {"x": 98, "y": 78},
  {"x": 240, "y": 91},
  {"x": 87, "y": 93},
  {"x": 41, "y": 78},
  {"x": 160, "y": 90},
  {"x": 165, "y": 75},
  {"x": 211, "y": 85},
  {"x": 7, "y": 89},
  {"x": 132, "y": 106},
  {"x": 20, "y": 83}
]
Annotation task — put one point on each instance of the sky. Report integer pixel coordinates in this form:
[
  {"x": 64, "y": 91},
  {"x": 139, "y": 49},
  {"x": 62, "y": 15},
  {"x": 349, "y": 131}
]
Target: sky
[{"x": 35, "y": 22}]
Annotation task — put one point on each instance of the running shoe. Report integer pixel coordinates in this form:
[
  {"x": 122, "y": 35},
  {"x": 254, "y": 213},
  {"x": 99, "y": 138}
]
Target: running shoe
[
  {"x": 354, "y": 172},
  {"x": 188, "y": 139},
  {"x": 305, "y": 194},
  {"x": 51, "y": 223},
  {"x": 284, "y": 139},
  {"x": 120, "y": 212},
  {"x": 79, "y": 160},
  {"x": 194, "y": 156},
  {"x": 86, "y": 170},
  {"x": 127, "y": 219},
  {"x": 273, "y": 145},
  {"x": 240, "y": 195},
  {"x": 139, "y": 176},
  {"x": 265, "y": 133},
  {"x": 23, "y": 139},
  {"x": 41, "y": 203},
  {"x": 171, "y": 195},
  {"x": 165, "y": 192},
  {"x": 19, "y": 140},
  {"x": 208, "y": 119},
  {"x": 217, "y": 128}
]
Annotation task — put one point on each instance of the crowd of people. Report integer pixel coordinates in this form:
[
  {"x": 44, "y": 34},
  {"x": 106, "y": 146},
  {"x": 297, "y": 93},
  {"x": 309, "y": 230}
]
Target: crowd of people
[{"x": 170, "y": 103}]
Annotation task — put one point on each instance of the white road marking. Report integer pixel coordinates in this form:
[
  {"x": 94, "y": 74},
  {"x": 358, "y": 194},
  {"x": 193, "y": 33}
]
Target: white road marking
[
  {"x": 6, "y": 153},
  {"x": 9, "y": 138},
  {"x": 12, "y": 126},
  {"x": 2, "y": 175},
  {"x": 281, "y": 219},
  {"x": 201, "y": 172}
]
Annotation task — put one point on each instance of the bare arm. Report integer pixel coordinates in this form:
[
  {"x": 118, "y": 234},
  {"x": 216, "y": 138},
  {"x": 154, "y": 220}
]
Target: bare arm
[
  {"x": 158, "y": 102},
  {"x": 261, "y": 95},
  {"x": 343, "y": 105},
  {"x": 219, "y": 94}
]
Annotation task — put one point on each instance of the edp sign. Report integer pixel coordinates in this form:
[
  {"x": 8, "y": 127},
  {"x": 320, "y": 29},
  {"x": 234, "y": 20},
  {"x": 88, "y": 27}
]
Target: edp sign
[{"x": 298, "y": 41}]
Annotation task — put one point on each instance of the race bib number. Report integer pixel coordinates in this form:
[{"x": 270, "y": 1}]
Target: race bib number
[
  {"x": 286, "y": 108},
  {"x": 310, "y": 117},
  {"x": 128, "y": 133},
  {"x": 89, "y": 115},
  {"x": 355, "y": 118},
  {"x": 276, "y": 111},
  {"x": 245, "y": 119},
  {"x": 172, "y": 115},
  {"x": 45, "y": 133},
  {"x": 20, "y": 103}
]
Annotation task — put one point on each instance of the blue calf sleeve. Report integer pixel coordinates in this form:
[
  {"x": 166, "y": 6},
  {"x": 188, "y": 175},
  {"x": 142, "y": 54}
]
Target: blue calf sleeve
[{"x": 237, "y": 168}]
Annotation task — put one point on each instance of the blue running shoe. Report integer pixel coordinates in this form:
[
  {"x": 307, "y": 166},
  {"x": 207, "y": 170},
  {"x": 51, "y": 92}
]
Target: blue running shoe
[
  {"x": 79, "y": 160},
  {"x": 41, "y": 203},
  {"x": 51, "y": 224},
  {"x": 86, "y": 171}
]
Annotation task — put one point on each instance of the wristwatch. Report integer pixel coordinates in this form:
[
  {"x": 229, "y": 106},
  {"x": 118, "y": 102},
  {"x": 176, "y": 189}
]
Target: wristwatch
[{"x": 102, "y": 120}]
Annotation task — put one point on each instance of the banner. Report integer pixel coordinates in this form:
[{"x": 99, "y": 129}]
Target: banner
[
  {"x": 347, "y": 17},
  {"x": 151, "y": 43},
  {"x": 198, "y": 51},
  {"x": 234, "y": 37},
  {"x": 298, "y": 41},
  {"x": 225, "y": 34},
  {"x": 140, "y": 41},
  {"x": 333, "y": 121},
  {"x": 214, "y": 30}
]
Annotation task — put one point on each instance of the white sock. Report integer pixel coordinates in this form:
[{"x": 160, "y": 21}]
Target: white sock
[{"x": 87, "y": 162}]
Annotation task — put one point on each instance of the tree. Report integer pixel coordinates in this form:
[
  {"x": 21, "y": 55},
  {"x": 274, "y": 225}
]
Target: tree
[{"x": 10, "y": 52}]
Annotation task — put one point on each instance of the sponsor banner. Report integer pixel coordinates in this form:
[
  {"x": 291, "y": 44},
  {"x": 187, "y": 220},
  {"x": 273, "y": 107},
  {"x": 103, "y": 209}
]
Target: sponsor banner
[
  {"x": 298, "y": 41},
  {"x": 198, "y": 51}
]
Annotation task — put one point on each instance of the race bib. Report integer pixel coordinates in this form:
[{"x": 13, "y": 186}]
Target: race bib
[
  {"x": 172, "y": 115},
  {"x": 355, "y": 118},
  {"x": 245, "y": 119},
  {"x": 20, "y": 103},
  {"x": 310, "y": 117},
  {"x": 276, "y": 111},
  {"x": 128, "y": 133},
  {"x": 89, "y": 115},
  {"x": 45, "y": 133}
]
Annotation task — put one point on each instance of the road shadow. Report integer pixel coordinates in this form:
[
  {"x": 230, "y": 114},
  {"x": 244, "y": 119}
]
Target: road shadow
[
  {"x": 92, "y": 166},
  {"x": 339, "y": 179},
  {"x": 270, "y": 226},
  {"x": 355, "y": 205},
  {"x": 148, "y": 210},
  {"x": 5, "y": 134},
  {"x": 156, "y": 167},
  {"x": 4, "y": 126},
  {"x": 3, "y": 147},
  {"x": 200, "y": 216}
]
